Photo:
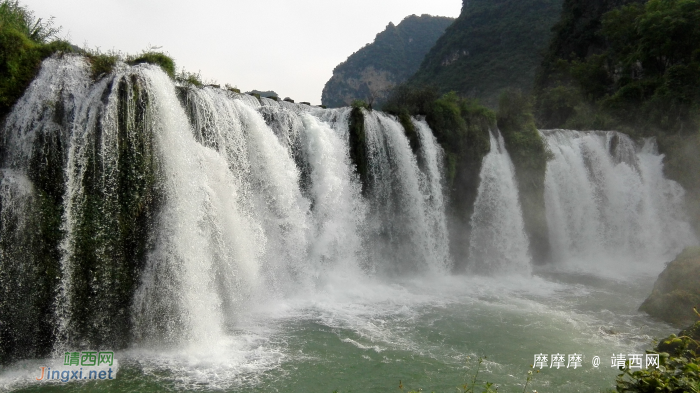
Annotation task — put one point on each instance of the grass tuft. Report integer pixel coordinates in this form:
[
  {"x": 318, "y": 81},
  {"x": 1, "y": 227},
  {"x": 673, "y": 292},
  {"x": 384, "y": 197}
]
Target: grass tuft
[{"x": 166, "y": 63}]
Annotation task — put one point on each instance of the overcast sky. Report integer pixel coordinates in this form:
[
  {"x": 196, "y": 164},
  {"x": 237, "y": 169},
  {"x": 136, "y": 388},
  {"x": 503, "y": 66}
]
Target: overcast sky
[{"x": 289, "y": 46}]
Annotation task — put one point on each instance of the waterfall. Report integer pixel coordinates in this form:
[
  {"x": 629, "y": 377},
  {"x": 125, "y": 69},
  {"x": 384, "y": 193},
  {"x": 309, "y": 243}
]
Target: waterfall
[
  {"x": 498, "y": 243},
  {"x": 339, "y": 212},
  {"x": 404, "y": 233},
  {"x": 431, "y": 182},
  {"x": 264, "y": 170},
  {"x": 33, "y": 152},
  {"x": 607, "y": 200},
  {"x": 137, "y": 211}
]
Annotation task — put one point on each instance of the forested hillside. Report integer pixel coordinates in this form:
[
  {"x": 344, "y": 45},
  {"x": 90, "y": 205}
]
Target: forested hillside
[
  {"x": 493, "y": 45},
  {"x": 577, "y": 34},
  {"x": 396, "y": 53}
]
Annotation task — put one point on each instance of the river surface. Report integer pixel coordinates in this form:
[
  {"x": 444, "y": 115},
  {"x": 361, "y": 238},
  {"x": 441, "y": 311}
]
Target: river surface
[{"x": 365, "y": 335}]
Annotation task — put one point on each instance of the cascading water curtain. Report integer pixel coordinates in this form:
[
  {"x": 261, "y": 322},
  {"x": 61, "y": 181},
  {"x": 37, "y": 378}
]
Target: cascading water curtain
[
  {"x": 34, "y": 146},
  {"x": 136, "y": 211},
  {"x": 607, "y": 200},
  {"x": 498, "y": 243},
  {"x": 407, "y": 235}
]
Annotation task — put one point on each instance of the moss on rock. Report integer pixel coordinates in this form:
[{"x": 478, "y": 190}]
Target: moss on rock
[{"x": 113, "y": 222}]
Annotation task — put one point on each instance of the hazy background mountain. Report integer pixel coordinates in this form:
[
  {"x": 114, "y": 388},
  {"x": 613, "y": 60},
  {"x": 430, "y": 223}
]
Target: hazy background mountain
[{"x": 395, "y": 55}]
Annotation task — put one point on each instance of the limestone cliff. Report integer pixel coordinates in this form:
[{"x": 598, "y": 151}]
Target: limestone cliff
[{"x": 396, "y": 53}]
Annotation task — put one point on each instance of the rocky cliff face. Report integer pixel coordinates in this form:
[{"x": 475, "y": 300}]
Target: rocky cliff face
[
  {"x": 677, "y": 290},
  {"x": 396, "y": 53}
]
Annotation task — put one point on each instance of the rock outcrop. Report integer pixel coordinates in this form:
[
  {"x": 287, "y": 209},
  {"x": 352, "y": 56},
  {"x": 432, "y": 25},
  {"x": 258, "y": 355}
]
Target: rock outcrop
[{"x": 677, "y": 290}]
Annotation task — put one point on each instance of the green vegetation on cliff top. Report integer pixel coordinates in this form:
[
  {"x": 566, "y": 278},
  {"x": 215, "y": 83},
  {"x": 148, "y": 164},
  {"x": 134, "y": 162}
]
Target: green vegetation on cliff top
[
  {"x": 24, "y": 42},
  {"x": 395, "y": 55}
]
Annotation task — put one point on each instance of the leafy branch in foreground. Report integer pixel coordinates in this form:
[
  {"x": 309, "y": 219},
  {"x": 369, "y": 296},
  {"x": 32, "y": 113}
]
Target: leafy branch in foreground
[{"x": 678, "y": 370}]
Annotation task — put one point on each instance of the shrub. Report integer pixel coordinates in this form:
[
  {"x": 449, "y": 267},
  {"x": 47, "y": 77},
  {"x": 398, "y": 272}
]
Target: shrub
[
  {"x": 360, "y": 104},
  {"x": 17, "y": 17},
  {"x": 190, "y": 78},
  {"x": 232, "y": 88},
  {"x": 101, "y": 63},
  {"x": 556, "y": 105}
]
